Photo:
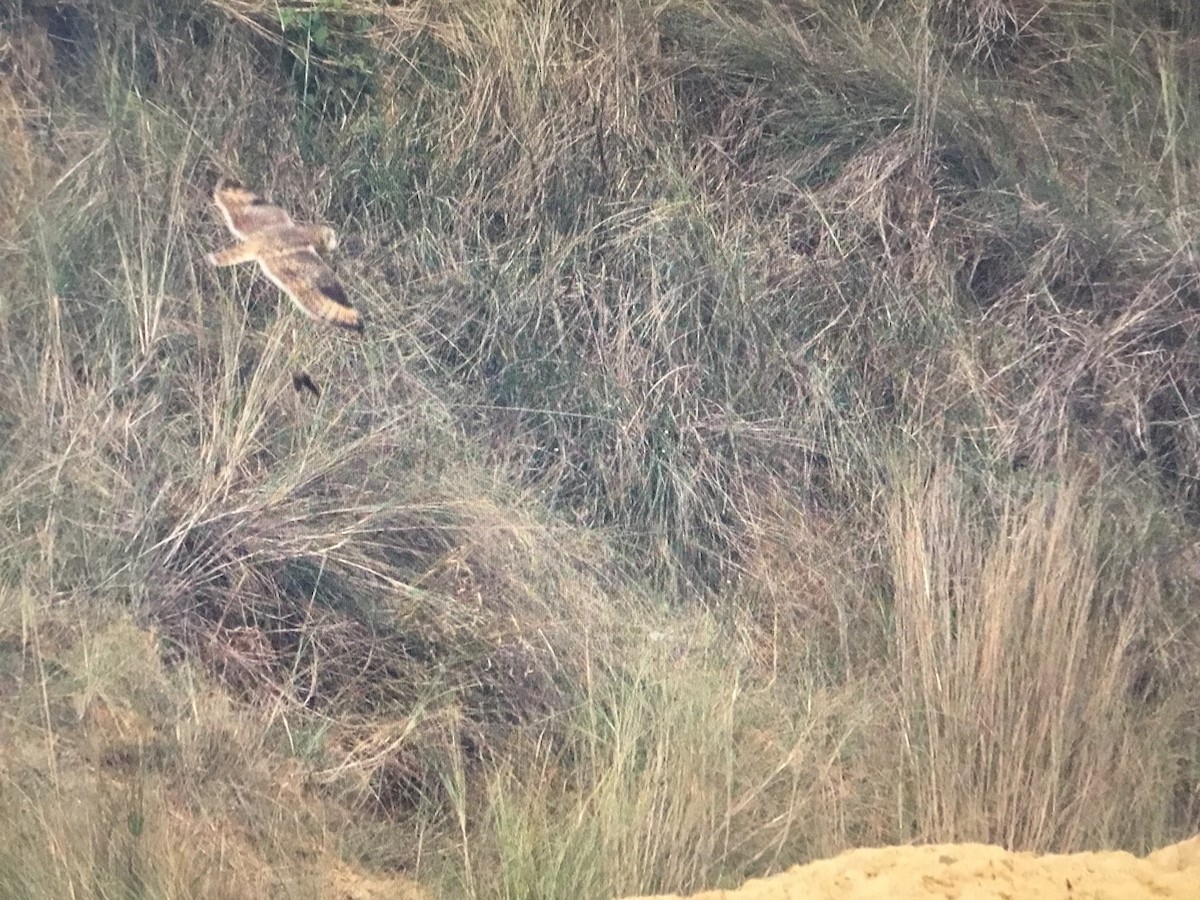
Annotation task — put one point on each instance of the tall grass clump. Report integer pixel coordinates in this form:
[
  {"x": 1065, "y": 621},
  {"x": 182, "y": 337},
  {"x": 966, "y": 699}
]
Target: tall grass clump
[
  {"x": 1029, "y": 661},
  {"x": 676, "y": 776}
]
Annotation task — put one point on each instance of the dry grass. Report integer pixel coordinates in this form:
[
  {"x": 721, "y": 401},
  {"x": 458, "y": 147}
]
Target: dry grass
[
  {"x": 775, "y": 432},
  {"x": 1014, "y": 640}
]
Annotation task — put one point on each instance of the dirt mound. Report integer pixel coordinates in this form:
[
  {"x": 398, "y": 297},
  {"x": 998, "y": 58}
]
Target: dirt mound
[
  {"x": 345, "y": 882},
  {"x": 982, "y": 872}
]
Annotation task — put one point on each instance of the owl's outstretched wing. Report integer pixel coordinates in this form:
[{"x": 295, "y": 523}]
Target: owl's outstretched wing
[
  {"x": 305, "y": 277},
  {"x": 245, "y": 212}
]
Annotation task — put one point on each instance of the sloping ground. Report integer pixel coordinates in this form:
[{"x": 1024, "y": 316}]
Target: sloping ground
[{"x": 981, "y": 872}]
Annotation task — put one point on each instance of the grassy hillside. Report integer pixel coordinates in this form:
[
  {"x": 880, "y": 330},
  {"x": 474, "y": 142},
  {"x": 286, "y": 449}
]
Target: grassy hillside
[{"x": 775, "y": 431}]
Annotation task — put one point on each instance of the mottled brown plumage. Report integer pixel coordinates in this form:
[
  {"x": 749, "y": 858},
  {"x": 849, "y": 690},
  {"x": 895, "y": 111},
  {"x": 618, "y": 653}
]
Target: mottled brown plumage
[{"x": 289, "y": 254}]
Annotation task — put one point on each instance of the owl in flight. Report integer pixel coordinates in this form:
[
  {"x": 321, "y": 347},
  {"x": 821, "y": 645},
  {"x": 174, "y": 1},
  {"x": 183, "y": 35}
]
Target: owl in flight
[{"x": 288, "y": 254}]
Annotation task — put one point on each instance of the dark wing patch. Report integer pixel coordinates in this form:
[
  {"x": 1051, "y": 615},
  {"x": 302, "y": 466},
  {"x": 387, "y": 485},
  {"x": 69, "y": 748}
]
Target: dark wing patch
[
  {"x": 332, "y": 288},
  {"x": 306, "y": 278}
]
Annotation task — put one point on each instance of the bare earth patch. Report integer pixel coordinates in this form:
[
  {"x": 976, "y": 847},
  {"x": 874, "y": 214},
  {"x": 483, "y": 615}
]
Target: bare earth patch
[
  {"x": 981, "y": 872},
  {"x": 344, "y": 882}
]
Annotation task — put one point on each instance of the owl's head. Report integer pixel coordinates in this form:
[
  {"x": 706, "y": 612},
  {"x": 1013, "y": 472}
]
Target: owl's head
[{"x": 328, "y": 238}]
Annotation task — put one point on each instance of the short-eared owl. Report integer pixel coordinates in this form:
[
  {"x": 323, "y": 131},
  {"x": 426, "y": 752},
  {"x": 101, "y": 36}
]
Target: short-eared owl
[{"x": 288, "y": 253}]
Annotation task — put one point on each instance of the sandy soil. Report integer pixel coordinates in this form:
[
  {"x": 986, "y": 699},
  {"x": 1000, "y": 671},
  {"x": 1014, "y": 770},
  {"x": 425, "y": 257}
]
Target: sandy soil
[{"x": 981, "y": 872}]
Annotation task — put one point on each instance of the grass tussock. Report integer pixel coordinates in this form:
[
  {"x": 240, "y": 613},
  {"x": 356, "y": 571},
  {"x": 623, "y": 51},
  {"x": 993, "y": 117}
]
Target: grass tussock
[
  {"x": 1012, "y": 641},
  {"x": 774, "y": 433}
]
